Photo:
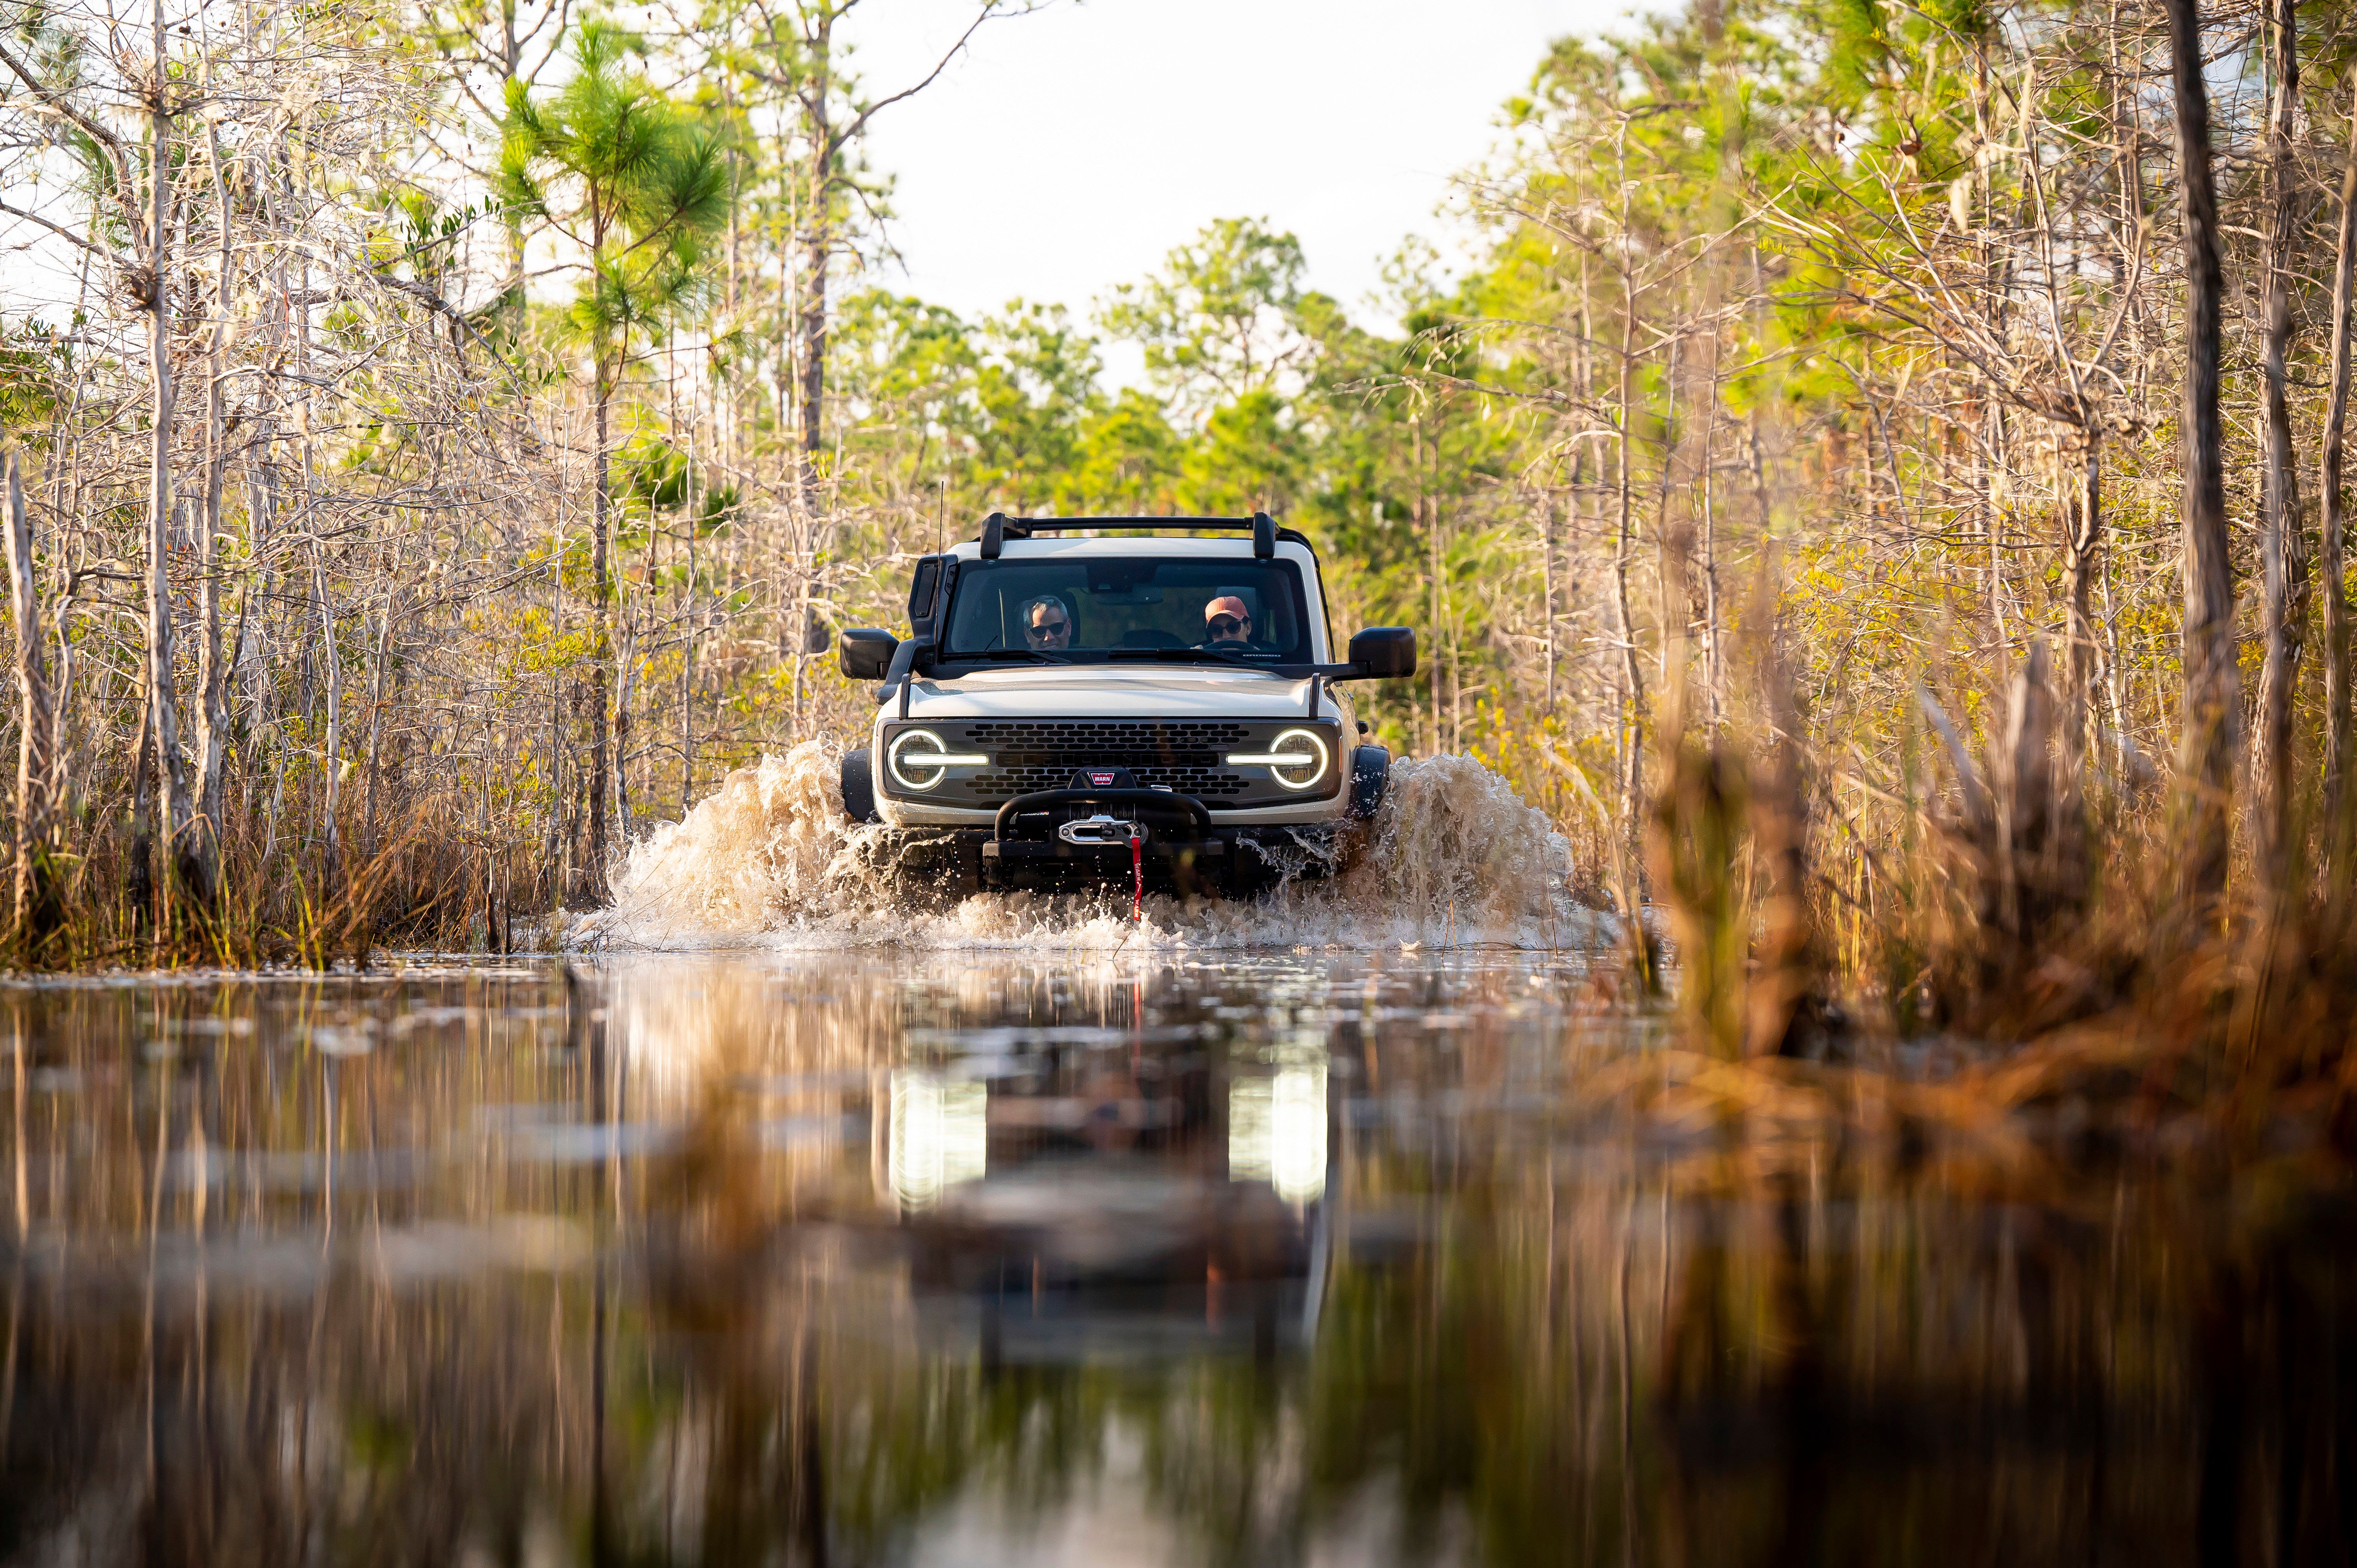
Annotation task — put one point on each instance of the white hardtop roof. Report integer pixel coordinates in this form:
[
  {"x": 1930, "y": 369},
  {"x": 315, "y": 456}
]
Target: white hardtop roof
[{"x": 1227, "y": 546}]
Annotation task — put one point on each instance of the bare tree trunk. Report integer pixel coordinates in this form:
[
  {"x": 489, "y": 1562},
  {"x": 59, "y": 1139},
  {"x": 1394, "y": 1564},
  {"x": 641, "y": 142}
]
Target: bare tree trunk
[
  {"x": 2082, "y": 516},
  {"x": 626, "y": 660},
  {"x": 1714, "y": 662},
  {"x": 332, "y": 742},
  {"x": 1785, "y": 957},
  {"x": 1673, "y": 556},
  {"x": 1425, "y": 506},
  {"x": 38, "y": 913},
  {"x": 2280, "y": 544},
  {"x": 1992, "y": 461},
  {"x": 1547, "y": 581},
  {"x": 1719, "y": 280},
  {"x": 212, "y": 705},
  {"x": 172, "y": 787},
  {"x": 1443, "y": 651},
  {"x": 556, "y": 849},
  {"x": 795, "y": 635},
  {"x": 818, "y": 246},
  {"x": 141, "y": 884},
  {"x": 255, "y": 690},
  {"x": 2211, "y": 718},
  {"x": 2337, "y": 757},
  {"x": 1632, "y": 673},
  {"x": 687, "y": 661},
  {"x": 820, "y": 242},
  {"x": 380, "y": 656},
  {"x": 601, "y": 657}
]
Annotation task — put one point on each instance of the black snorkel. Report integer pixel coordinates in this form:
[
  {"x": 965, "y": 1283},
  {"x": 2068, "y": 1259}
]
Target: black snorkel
[{"x": 910, "y": 660}]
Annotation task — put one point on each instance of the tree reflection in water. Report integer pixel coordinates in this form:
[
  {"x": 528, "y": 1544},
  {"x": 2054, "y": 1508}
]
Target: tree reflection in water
[{"x": 869, "y": 1259}]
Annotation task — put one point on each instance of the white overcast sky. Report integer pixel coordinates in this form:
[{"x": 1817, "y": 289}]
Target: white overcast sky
[{"x": 1070, "y": 150}]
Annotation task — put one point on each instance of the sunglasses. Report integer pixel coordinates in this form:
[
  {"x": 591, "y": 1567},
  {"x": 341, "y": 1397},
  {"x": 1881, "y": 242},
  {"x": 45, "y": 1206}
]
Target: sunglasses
[
  {"x": 1229, "y": 623},
  {"x": 1051, "y": 627}
]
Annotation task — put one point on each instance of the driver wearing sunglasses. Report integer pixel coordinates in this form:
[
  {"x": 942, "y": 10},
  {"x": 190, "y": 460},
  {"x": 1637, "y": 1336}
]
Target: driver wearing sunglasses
[{"x": 1047, "y": 625}]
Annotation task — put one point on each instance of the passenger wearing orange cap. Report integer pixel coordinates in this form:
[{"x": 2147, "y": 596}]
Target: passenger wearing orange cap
[{"x": 1227, "y": 624}]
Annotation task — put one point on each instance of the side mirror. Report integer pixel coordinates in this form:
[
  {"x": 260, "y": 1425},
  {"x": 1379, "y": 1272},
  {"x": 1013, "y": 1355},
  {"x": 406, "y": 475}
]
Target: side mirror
[
  {"x": 867, "y": 652},
  {"x": 1381, "y": 652}
]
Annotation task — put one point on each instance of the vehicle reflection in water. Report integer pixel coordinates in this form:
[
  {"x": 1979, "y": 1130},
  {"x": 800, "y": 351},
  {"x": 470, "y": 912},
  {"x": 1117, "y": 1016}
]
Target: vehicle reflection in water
[{"x": 965, "y": 1260}]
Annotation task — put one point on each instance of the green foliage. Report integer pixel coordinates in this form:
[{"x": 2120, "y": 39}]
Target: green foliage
[
  {"x": 633, "y": 179},
  {"x": 1225, "y": 317},
  {"x": 34, "y": 362},
  {"x": 1128, "y": 460},
  {"x": 653, "y": 473},
  {"x": 1856, "y": 47}
]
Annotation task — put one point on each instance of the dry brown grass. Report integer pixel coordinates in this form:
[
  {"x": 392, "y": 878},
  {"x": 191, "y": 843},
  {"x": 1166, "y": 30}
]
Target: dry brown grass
[{"x": 2022, "y": 976}]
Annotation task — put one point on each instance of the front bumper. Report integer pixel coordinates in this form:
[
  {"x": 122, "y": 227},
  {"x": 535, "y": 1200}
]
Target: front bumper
[
  {"x": 1228, "y": 862},
  {"x": 1067, "y": 838}
]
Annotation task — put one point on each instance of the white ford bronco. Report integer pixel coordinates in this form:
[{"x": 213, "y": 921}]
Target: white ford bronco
[{"x": 1084, "y": 699}]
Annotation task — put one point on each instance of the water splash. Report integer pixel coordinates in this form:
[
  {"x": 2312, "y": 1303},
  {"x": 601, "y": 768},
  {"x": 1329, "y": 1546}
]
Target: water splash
[
  {"x": 771, "y": 843},
  {"x": 1454, "y": 856}
]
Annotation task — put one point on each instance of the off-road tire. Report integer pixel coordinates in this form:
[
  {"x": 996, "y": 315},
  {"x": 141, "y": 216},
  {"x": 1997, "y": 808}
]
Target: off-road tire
[
  {"x": 859, "y": 788},
  {"x": 1370, "y": 772},
  {"x": 933, "y": 872}
]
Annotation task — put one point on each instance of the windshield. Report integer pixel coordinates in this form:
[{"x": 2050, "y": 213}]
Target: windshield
[{"x": 1100, "y": 605}]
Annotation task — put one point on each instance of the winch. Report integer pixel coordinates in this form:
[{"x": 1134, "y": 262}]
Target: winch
[{"x": 1101, "y": 831}]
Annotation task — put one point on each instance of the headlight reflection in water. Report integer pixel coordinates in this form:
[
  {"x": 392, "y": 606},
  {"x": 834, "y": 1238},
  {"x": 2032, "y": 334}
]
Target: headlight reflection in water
[
  {"x": 1276, "y": 1131},
  {"x": 940, "y": 1136}
]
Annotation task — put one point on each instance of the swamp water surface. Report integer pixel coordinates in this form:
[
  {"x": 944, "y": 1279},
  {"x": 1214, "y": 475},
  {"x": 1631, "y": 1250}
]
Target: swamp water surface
[
  {"x": 1241, "y": 1237},
  {"x": 885, "y": 1257}
]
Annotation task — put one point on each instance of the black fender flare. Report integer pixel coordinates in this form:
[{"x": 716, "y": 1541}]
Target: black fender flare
[
  {"x": 859, "y": 787},
  {"x": 1371, "y": 770}
]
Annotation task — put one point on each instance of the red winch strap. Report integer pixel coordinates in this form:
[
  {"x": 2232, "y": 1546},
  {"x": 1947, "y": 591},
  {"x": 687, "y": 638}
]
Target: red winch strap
[{"x": 1137, "y": 878}]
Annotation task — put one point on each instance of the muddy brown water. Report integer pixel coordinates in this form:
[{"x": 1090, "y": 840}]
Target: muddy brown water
[{"x": 980, "y": 1257}]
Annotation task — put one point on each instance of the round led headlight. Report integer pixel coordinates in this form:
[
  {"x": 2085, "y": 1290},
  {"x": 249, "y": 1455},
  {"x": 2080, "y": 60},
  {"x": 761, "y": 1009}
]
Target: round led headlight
[
  {"x": 1297, "y": 759},
  {"x": 917, "y": 760}
]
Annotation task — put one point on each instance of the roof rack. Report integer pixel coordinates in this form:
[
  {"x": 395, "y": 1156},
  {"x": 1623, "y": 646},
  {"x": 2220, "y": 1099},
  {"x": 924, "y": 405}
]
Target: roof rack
[{"x": 998, "y": 527}]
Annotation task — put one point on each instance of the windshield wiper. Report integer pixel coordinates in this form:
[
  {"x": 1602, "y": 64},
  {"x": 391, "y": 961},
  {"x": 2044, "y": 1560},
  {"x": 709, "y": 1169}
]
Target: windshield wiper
[
  {"x": 1189, "y": 656},
  {"x": 1034, "y": 655}
]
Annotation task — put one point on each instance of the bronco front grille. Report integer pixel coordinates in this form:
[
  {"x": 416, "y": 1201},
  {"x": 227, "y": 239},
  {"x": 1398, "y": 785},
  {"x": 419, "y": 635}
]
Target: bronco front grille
[
  {"x": 1185, "y": 755},
  {"x": 1043, "y": 754}
]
